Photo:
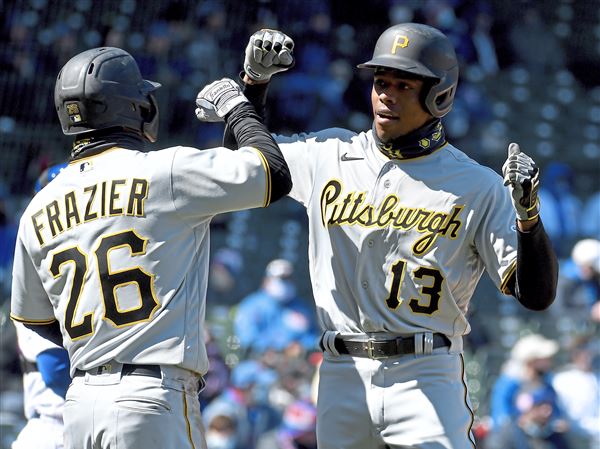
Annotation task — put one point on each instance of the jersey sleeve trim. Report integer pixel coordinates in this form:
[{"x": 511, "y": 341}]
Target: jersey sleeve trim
[
  {"x": 265, "y": 165},
  {"x": 33, "y": 322},
  {"x": 505, "y": 280}
]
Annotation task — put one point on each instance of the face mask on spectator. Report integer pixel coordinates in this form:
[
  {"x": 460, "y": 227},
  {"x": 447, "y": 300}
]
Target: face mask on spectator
[
  {"x": 216, "y": 440},
  {"x": 280, "y": 289}
]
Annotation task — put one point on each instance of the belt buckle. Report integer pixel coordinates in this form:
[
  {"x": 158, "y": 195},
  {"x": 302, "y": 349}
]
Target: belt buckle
[{"x": 371, "y": 349}]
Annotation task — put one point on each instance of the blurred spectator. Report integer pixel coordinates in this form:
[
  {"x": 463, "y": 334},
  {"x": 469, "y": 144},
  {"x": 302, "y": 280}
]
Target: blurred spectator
[
  {"x": 294, "y": 377},
  {"x": 221, "y": 432},
  {"x": 534, "y": 44},
  {"x": 534, "y": 427},
  {"x": 8, "y": 238},
  {"x": 560, "y": 207},
  {"x": 244, "y": 403},
  {"x": 217, "y": 377},
  {"x": 297, "y": 429},
  {"x": 274, "y": 317},
  {"x": 528, "y": 367},
  {"x": 225, "y": 268},
  {"x": 485, "y": 49},
  {"x": 590, "y": 217},
  {"x": 578, "y": 388},
  {"x": 578, "y": 291}
]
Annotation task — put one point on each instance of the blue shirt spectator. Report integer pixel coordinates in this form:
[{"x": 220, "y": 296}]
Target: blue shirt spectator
[
  {"x": 274, "y": 317},
  {"x": 561, "y": 208},
  {"x": 528, "y": 367}
]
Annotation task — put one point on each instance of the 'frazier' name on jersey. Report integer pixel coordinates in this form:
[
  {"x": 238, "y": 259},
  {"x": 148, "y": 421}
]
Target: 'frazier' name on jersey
[
  {"x": 351, "y": 209},
  {"x": 106, "y": 199}
]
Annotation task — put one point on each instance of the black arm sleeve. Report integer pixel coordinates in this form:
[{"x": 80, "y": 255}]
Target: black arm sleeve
[
  {"x": 246, "y": 128},
  {"x": 537, "y": 269},
  {"x": 257, "y": 95},
  {"x": 48, "y": 331}
]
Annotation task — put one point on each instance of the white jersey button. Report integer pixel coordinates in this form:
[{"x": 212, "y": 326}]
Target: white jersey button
[{"x": 387, "y": 184}]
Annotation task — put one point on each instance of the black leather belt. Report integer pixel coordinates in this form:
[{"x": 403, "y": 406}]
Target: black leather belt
[
  {"x": 127, "y": 370},
  {"x": 380, "y": 349}
]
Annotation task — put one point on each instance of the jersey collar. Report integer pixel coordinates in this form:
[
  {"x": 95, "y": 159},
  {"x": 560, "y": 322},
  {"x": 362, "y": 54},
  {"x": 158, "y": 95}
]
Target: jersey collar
[
  {"x": 100, "y": 141},
  {"x": 421, "y": 142}
]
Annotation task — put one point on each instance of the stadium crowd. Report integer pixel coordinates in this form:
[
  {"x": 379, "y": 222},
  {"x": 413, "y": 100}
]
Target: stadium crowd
[{"x": 527, "y": 75}]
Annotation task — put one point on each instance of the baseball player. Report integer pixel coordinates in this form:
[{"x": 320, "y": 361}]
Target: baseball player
[
  {"x": 46, "y": 378},
  {"x": 111, "y": 257},
  {"x": 402, "y": 225}
]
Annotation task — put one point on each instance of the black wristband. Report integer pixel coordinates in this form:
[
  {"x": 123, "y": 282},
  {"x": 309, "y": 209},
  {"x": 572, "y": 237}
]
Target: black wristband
[{"x": 257, "y": 95}]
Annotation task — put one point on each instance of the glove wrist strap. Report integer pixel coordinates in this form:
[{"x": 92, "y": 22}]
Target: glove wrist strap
[{"x": 531, "y": 213}]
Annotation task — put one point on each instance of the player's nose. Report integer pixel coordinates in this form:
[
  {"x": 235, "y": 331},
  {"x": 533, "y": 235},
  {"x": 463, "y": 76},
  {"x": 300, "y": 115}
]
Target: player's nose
[{"x": 386, "y": 98}]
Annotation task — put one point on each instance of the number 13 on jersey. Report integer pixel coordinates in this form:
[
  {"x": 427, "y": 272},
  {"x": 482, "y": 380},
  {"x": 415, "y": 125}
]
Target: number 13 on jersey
[{"x": 431, "y": 288}]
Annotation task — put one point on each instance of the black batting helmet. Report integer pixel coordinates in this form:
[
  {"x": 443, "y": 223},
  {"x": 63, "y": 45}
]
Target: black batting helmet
[
  {"x": 103, "y": 88},
  {"x": 423, "y": 51}
]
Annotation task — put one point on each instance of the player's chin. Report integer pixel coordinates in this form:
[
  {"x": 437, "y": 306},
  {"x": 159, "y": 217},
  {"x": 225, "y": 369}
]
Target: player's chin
[{"x": 387, "y": 129}]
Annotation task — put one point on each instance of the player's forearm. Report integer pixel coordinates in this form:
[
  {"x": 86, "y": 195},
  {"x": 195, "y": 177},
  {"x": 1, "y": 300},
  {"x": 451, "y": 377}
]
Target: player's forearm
[
  {"x": 537, "y": 269},
  {"x": 256, "y": 93},
  {"x": 247, "y": 129}
]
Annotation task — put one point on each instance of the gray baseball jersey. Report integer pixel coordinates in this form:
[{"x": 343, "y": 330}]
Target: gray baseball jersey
[
  {"x": 116, "y": 249},
  {"x": 411, "y": 238}
]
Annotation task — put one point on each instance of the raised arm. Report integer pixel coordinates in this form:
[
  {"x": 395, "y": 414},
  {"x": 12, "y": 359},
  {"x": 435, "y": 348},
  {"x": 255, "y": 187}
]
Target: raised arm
[
  {"x": 534, "y": 284},
  {"x": 268, "y": 52},
  {"x": 223, "y": 101}
]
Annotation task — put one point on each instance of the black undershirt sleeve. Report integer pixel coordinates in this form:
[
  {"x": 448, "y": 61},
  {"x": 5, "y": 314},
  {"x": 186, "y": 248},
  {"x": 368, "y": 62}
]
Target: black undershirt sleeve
[
  {"x": 257, "y": 95},
  {"x": 534, "y": 284},
  {"x": 48, "y": 331},
  {"x": 247, "y": 130}
]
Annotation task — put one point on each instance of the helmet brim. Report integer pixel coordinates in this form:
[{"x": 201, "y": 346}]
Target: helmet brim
[
  {"x": 149, "y": 86},
  {"x": 399, "y": 63}
]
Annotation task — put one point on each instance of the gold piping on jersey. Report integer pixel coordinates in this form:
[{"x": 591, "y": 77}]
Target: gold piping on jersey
[
  {"x": 265, "y": 165},
  {"x": 188, "y": 425},
  {"x": 32, "y": 322},
  {"x": 101, "y": 200},
  {"x": 338, "y": 209},
  {"x": 465, "y": 398},
  {"x": 506, "y": 278}
]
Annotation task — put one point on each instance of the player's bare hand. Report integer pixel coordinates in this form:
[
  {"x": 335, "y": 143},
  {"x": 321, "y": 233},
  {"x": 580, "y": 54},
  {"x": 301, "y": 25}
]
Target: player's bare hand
[
  {"x": 268, "y": 52},
  {"x": 217, "y": 99},
  {"x": 521, "y": 175}
]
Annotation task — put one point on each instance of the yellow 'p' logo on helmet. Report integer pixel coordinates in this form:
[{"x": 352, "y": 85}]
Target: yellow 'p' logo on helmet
[{"x": 400, "y": 41}]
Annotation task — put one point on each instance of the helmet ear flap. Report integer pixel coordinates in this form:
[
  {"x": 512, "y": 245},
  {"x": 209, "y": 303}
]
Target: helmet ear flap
[{"x": 440, "y": 96}]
